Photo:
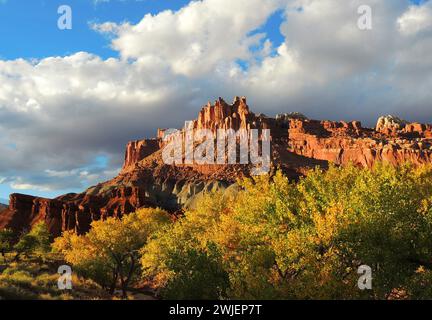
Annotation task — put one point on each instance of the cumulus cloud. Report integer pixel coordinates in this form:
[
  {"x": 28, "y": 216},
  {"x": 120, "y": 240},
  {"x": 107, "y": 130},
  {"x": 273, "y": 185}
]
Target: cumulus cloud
[
  {"x": 329, "y": 68},
  {"x": 416, "y": 19},
  {"x": 197, "y": 38},
  {"x": 59, "y": 113}
]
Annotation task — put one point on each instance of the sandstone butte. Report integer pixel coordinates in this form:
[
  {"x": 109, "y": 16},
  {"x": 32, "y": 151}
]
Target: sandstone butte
[{"x": 297, "y": 145}]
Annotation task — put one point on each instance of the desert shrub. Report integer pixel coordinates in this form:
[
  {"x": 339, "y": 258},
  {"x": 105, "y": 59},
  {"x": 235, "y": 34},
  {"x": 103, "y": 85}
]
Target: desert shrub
[{"x": 29, "y": 280}]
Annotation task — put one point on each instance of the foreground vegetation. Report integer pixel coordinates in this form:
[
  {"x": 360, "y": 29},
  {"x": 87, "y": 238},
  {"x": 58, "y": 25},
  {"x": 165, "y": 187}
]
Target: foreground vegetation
[
  {"x": 28, "y": 270},
  {"x": 305, "y": 240},
  {"x": 275, "y": 239}
]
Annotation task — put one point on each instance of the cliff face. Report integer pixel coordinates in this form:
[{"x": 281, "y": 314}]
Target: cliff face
[
  {"x": 222, "y": 115},
  {"x": 138, "y": 150},
  {"x": 297, "y": 145},
  {"x": 342, "y": 143}
]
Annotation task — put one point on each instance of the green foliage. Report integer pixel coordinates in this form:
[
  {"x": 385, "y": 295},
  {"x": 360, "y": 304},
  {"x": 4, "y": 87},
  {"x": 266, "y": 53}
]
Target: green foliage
[
  {"x": 182, "y": 260},
  {"x": 36, "y": 241},
  {"x": 43, "y": 237},
  {"x": 276, "y": 239},
  {"x": 28, "y": 279},
  {"x": 198, "y": 274},
  {"x": 27, "y": 244},
  {"x": 109, "y": 253},
  {"x": 7, "y": 240},
  {"x": 284, "y": 240}
]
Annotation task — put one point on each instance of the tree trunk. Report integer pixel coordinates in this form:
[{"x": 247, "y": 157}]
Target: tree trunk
[
  {"x": 114, "y": 282},
  {"x": 125, "y": 281},
  {"x": 123, "y": 285}
]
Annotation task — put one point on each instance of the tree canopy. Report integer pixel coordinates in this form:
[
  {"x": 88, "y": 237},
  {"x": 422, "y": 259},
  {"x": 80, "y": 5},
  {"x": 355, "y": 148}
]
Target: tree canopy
[
  {"x": 109, "y": 252},
  {"x": 277, "y": 239}
]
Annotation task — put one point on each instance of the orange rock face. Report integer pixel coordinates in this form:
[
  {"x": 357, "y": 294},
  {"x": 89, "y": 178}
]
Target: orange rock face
[
  {"x": 138, "y": 150},
  {"x": 342, "y": 143},
  {"x": 234, "y": 116},
  {"x": 297, "y": 145},
  {"x": 24, "y": 211}
]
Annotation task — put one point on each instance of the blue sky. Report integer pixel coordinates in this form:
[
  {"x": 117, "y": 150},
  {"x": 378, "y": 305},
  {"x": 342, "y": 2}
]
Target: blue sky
[
  {"x": 56, "y": 148},
  {"x": 30, "y": 30}
]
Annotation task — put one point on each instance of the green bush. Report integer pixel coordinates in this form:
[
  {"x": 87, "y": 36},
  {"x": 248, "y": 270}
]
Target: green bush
[
  {"x": 29, "y": 280},
  {"x": 198, "y": 274}
]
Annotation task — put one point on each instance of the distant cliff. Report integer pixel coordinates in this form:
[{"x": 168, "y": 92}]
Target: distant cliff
[{"x": 297, "y": 145}]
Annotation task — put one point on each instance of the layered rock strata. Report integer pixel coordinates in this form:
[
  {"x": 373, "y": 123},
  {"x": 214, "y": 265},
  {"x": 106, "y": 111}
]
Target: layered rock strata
[{"x": 297, "y": 145}]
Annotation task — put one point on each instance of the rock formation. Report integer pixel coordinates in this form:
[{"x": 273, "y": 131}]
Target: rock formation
[
  {"x": 222, "y": 115},
  {"x": 297, "y": 145},
  {"x": 138, "y": 150},
  {"x": 342, "y": 143},
  {"x": 390, "y": 124}
]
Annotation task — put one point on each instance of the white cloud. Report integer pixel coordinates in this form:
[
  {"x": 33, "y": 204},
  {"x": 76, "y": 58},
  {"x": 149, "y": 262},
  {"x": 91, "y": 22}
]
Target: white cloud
[
  {"x": 416, "y": 19},
  {"x": 197, "y": 38},
  {"x": 18, "y": 185}
]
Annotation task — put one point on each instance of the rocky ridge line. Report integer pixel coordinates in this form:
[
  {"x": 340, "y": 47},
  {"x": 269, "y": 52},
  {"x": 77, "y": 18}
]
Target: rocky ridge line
[{"x": 298, "y": 144}]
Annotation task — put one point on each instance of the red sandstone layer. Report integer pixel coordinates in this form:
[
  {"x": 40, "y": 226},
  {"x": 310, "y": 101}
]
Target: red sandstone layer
[{"x": 298, "y": 144}]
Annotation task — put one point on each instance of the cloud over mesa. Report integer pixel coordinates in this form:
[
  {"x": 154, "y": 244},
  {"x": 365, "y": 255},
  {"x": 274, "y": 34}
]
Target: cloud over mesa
[{"x": 59, "y": 116}]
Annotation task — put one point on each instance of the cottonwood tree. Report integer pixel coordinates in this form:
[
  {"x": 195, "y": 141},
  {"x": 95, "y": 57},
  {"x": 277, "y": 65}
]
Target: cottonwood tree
[
  {"x": 109, "y": 253},
  {"x": 307, "y": 239},
  {"x": 37, "y": 241}
]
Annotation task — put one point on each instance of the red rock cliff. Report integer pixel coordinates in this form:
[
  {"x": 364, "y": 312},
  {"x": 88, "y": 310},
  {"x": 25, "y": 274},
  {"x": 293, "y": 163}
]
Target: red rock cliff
[
  {"x": 298, "y": 144},
  {"x": 342, "y": 143},
  {"x": 139, "y": 150}
]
